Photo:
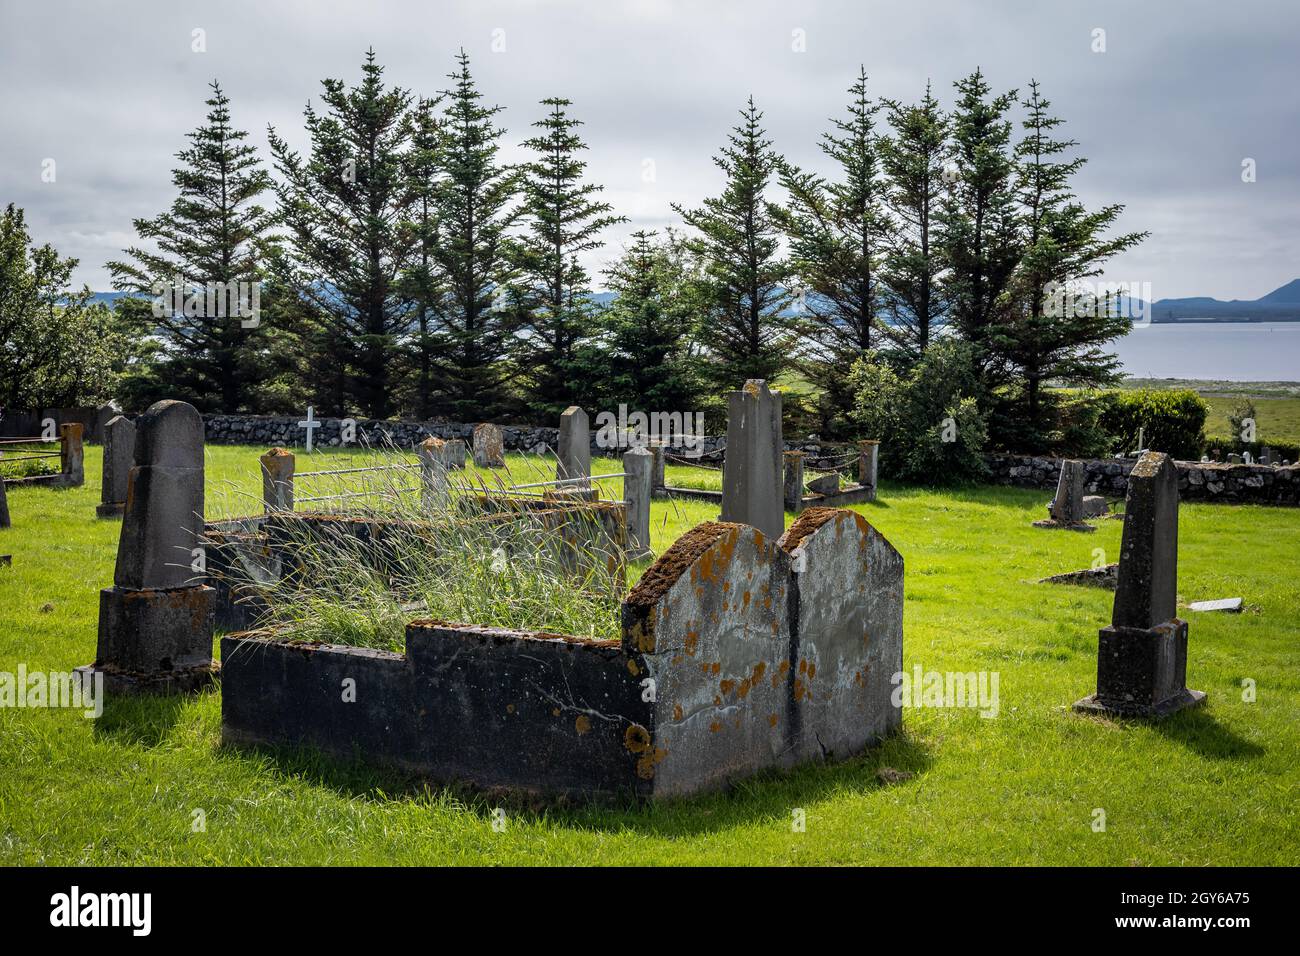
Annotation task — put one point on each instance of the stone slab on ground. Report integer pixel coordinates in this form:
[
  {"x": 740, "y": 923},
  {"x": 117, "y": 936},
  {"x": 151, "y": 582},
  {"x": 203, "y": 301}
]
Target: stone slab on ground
[
  {"x": 1231, "y": 605},
  {"x": 1107, "y": 576}
]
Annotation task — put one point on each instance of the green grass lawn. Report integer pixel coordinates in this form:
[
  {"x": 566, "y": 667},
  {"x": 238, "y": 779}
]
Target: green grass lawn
[
  {"x": 1208, "y": 787},
  {"x": 1277, "y": 404}
]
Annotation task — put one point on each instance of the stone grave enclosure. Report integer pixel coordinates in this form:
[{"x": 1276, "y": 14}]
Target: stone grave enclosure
[{"x": 738, "y": 653}]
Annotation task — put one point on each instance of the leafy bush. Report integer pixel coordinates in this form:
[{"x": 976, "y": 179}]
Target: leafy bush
[
  {"x": 1170, "y": 421},
  {"x": 928, "y": 419}
]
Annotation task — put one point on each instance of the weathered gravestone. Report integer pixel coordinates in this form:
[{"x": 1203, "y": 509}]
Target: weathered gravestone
[
  {"x": 156, "y": 622},
  {"x": 119, "y": 456},
  {"x": 657, "y": 451},
  {"x": 1066, "y": 509},
  {"x": 448, "y": 453},
  {"x": 72, "y": 455},
  {"x": 792, "y": 485},
  {"x": 489, "y": 447},
  {"x": 278, "y": 466},
  {"x": 825, "y": 483},
  {"x": 1142, "y": 656},
  {"x": 4, "y": 506},
  {"x": 638, "y": 486},
  {"x": 753, "y": 477},
  {"x": 869, "y": 464},
  {"x": 435, "y": 488},
  {"x": 574, "y": 459}
]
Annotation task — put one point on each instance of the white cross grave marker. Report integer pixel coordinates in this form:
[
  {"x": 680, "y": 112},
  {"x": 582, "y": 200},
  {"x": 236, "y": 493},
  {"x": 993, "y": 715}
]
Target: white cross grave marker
[{"x": 310, "y": 424}]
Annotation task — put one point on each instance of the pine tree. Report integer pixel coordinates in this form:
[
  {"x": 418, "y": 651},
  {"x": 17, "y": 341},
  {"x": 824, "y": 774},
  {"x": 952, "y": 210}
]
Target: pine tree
[
  {"x": 1044, "y": 338},
  {"x": 345, "y": 206},
  {"x": 475, "y": 209},
  {"x": 564, "y": 221},
  {"x": 423, "y": 283},
  {"x": 838, "y": 231},
  {"x": 648, "y": 328},
  {"x": 214, "y": 232},
  {"x": 913, "y": 163},
  {"x": 745, "y": 294},
  {"x": 979, "y": 227}
]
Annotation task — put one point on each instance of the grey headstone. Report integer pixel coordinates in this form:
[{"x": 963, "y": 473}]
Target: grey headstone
[
  {"x": 638, "y": 465},
  {"x": 119, "y": 456},
  {"x": 753, "y": 478},
  {"x": 1147, "y": 592},
  {"x": 434, "y": 466},
  {"x": 73, "y": 457},
  {"x": 164, "y": 513},
  {"x": 657, "y": 451},
  {"x": 575, "y": 445},
  {"x": 1234, "y": 459},
  {"x": 1094, "y": 506},
  {"x": 1067, "y": 506},
  {"x": 868, "y": 463},
  {"x": 827, "y": 483}
]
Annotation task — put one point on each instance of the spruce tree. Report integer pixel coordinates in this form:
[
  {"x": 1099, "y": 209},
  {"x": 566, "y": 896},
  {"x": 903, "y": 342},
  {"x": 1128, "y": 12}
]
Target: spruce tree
[
  {"x": 214, "y": 232},
  {"x": 838, "y": 230},
  {"x": 979, "y": 227},
  {"x": 648, "y": 328},
  {"x": 475, "y": 208},
  {"x": 345, "y": 206},
  {"x": 745, "y": 324},
  {"x": 913, "y": 270},
  {"x": 563, "y": 221},
  {"x": 423, "y": 283},
  {"x": 1046, "y": 336}
]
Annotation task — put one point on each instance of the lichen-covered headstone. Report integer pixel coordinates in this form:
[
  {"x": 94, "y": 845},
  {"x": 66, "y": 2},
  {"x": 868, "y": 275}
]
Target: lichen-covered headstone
[
  {"x": 1142, "y": 656},
  {"x": 119, "y": 457},
  {"x": 156, "y": 622},
  {"x": 753, "y": 479},
  {"x": 277, "y": 480},
  {"x": 792, "y": 485},
  {"x": 489, "y": 446},
  {"x": 1066, "y": 509},
  {"x": 638, "y": 466}
]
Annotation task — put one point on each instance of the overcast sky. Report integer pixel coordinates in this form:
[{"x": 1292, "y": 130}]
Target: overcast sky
[{"x": 1184, "y": 92}]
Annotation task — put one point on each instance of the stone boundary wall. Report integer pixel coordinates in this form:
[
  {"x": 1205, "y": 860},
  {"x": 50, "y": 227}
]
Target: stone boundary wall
[{"x": 1197, "y": 481}]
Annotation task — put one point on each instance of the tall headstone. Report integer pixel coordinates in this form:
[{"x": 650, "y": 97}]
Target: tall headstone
[
  {"x": 156, "y": 622},
  {"x": 638, "y": 467},
  {"x": 792, "y": 486},
  {"x": 575, "y": 445},
  {"x": 1142, "y": 655},
  {"x": 278, "y": 466},
  {"x": 753, "y": 478},
  {"x": 489, "y": 446},
  {"x": 72, "y": 456},
  {"x": 119, "y": 456}
]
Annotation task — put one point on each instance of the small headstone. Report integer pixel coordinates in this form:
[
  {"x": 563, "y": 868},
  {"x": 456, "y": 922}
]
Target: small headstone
[
  {"x": 1142, "y": 655},
  {"x": 434, "y": 486},
  {"x": 119, "y": 456},
  {"x": 868, "y": 464},
  {"x": 1267, "y": 456},
  {"x": 1066, "y": 509},
  {"x": 575, "y": 445},
  {"x": 657, "y": 451},
  {"x": 489, "y": 447},
  {"x": 277, "y": 480},
  {"x": 1228, "y": 605},
  {"x": 1094, "y": 506},
  {"x": 1234, "y": 459},
  {"x": 826, "y": 483},
  {"x": 792, "y": 486},
  {"x": 753, "y": 477},
  {"x": 73, "y": 455}
]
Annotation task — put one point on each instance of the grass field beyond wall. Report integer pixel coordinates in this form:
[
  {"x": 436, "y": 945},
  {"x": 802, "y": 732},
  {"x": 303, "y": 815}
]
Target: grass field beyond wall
[{"x": 1208, "y": 787}]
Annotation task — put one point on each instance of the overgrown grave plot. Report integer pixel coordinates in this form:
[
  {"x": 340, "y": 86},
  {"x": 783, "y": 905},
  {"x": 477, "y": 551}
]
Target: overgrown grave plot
[
  {"x": 734, "y": 653},
  {"x": 390, "y": 546}
]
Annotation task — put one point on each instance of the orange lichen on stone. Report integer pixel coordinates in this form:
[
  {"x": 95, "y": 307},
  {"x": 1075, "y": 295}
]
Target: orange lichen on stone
[
  {"x": 771, "y": 721},
  {"x": 677, "y": 711},
  {"x": 582, "y": 724},
  {"x": 726, "y": 686},
  {"x": 636, "y": 739},
  {"x": 691, "y": 643}
]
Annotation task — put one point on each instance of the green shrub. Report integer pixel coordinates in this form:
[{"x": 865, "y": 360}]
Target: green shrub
[
  {"x": 928, "y": 419},
  {"x": 1170, "y": 421}
]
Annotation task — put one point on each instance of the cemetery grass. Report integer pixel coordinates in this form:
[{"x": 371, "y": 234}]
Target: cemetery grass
[{"x": 1213, "y": 786}]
